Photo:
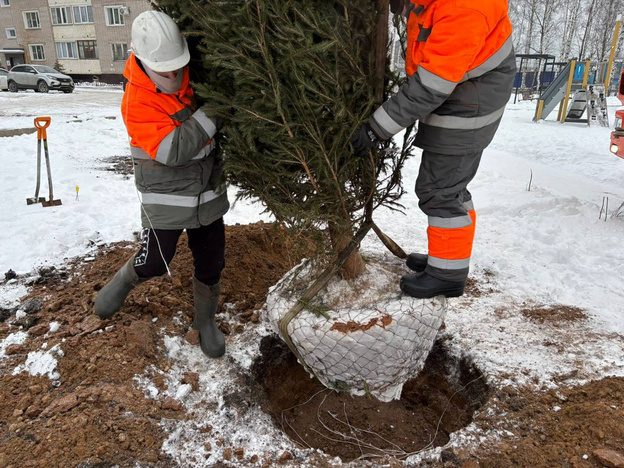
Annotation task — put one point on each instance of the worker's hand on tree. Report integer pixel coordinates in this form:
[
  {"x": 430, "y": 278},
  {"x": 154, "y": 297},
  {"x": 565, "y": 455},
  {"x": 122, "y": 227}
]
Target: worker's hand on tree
[
  {"x": 401, "y": 7},
  {"x": 365, "y": 139},
  {"x": 218, "y": 122}
]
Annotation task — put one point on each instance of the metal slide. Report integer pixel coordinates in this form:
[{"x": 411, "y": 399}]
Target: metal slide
[{"x": 555, "y": 92}]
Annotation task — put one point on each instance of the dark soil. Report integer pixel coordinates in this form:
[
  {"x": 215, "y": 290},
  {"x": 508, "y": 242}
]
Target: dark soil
[
  {"x": 120, "y": 164},
  {"x": 94, "y": 413},
  {"x": 554, "y": 313}
]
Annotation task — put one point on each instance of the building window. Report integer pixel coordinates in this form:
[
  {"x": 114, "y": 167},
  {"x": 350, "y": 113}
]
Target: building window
[
  {"x": 67, "y": 50},
  {"x": 115, "y": 16},
  {"x": 61, "y": 15},
  {"x": 119, "y": 51},
  {"x": 83, "y": 14},
  {"x": 87, "y": 50},
  {"x": 5, "y": 3},
  {"x": 31, "y": 20},
  {"x": 36, "y": 52},
  {"x": 11, "y": 33}
]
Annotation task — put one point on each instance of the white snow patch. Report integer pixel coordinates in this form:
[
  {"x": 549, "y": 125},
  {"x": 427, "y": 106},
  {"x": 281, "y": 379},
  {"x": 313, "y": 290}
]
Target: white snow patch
[
  {"x": 16, "y": 338},
  {"x": 54, "y": 327},
  {"x": 221, "y": 402},
  {"x": 42, "y": 363},
  {"x": 10, "y": 293}
]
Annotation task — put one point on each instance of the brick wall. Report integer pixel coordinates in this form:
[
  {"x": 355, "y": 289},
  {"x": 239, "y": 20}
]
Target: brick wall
[{"x": 105, "y": 35}]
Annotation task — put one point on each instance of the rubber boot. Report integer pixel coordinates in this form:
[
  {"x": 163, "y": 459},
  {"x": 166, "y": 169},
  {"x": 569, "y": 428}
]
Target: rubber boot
[
  {"x": 422, "y": 285},
  {"x": 112, "y": 296},
  {"x": 206, "y": 300},
  {"x": 417, "y": 262}
]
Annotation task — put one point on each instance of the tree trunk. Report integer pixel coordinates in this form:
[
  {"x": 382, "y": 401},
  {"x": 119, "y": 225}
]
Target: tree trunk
[
  {"x": 587, "y": 30},
  {"x": 381, "y": 49},
  {"x": 340, "y": 235}
]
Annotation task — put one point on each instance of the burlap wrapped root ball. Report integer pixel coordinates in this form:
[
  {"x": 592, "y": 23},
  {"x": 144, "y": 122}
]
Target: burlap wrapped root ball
[{"x": 362, "y": 336}]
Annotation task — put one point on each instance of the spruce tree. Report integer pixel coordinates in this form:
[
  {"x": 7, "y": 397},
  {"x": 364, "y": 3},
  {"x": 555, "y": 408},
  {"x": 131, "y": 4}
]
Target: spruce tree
[{"x": 293, "y": 80}]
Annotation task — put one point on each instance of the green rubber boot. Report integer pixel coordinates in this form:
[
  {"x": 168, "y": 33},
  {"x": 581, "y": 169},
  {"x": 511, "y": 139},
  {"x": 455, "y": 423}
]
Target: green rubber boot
[
  {"x": 112, "y": 296},
  {"x": 206, "y": 300}
]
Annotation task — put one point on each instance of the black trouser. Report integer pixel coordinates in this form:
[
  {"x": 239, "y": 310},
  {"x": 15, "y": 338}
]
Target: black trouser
[{"x": 207, "y": 243}]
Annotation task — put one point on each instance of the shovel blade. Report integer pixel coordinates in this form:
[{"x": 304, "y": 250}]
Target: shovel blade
[
  {"x": 51, "y": 203},
  {"x": 33, "y": 200}
]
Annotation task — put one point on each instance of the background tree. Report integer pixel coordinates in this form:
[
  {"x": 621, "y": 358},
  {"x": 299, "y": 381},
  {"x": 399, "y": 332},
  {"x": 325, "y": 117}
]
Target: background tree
[
  {"x": 580, "y": 29},
  {"x": 294, "y": 79}
]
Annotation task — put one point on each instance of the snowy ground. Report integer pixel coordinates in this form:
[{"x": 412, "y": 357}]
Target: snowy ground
[{"x": 543, "y": 246}]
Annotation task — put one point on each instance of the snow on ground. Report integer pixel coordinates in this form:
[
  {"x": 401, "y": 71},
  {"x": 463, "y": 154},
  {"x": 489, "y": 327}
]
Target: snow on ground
[
  {"x": 86, "y": 129},
  {"x": 216, "y": 404},
  {"x": 545, "y": 246}
]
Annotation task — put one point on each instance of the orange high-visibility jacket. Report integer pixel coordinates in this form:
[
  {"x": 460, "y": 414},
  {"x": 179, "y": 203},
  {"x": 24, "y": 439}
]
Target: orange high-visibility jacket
[
  {"x": 461, "y": 65},
  {"x": 177, "y": 171}
]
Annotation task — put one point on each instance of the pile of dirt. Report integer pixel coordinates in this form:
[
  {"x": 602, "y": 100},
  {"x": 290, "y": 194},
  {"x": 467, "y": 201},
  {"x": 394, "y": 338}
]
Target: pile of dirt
[
  {"x": 571, "y": 427},
  {"x": 94, "y": 413}
]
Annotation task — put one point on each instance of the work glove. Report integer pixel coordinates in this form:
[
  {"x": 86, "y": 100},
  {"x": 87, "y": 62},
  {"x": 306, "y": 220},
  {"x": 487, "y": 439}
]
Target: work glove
[
  {"x": 218, "y": 121},
  {"x": 365, "y": 139},
  {"x": 401, "y": 7}
]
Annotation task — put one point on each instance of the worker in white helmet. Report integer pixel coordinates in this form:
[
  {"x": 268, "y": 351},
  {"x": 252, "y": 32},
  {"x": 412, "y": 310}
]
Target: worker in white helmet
[{"x": 178, "y": 174}]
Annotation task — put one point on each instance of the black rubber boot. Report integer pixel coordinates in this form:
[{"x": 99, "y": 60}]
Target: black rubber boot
[
  {"x": 112, "y": 296},
  {"x": 422, "y": 285},
  {"x": 206, "y": 300},
  {"x": 417, "y": 262}
]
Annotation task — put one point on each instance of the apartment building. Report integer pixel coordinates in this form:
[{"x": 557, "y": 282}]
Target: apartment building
[{"x": 89, "y": 39}]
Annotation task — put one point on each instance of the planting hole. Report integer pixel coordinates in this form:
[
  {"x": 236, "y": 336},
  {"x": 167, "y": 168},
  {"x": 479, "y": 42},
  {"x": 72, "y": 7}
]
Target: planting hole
[{"x": 441, "y": 400}]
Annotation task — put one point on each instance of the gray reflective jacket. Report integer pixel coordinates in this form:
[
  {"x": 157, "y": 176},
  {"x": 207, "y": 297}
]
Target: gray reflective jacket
[
  {"x": 462, "y": 65},
  {"x": 177, "y": 169}
]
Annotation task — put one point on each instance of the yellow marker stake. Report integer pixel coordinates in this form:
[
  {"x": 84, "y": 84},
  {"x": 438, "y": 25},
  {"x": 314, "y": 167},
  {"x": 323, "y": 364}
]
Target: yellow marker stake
[{"x": 77, "y": 190}]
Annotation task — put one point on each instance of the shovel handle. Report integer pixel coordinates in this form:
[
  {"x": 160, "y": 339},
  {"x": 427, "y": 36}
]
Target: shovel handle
[{"x": 41, "y": 123}]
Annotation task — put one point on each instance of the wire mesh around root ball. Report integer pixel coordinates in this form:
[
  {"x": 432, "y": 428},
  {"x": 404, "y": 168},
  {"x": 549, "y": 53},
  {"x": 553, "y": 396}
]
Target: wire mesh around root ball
[{"x": 362, "y": 337}]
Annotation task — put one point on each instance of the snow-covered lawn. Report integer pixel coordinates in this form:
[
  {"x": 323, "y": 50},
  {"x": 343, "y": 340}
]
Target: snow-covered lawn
[{"x": 546, "y": 246}]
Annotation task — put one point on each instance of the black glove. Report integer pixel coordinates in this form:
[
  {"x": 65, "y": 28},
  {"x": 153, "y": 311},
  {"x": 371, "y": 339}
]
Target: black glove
[
  {"x": 364, "y": 139},
  {"x": 218, "y": 123},
  {"x": 401, "y": 7}
]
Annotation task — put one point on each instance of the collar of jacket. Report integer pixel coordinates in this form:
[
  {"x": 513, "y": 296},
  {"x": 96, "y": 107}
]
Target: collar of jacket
[{"x": 135, "y": 75}]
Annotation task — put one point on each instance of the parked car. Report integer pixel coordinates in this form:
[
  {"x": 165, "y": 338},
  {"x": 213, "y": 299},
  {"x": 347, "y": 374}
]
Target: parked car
[
  {"x": 38, "y": 77},
  {"x": 3, "y": 79}
]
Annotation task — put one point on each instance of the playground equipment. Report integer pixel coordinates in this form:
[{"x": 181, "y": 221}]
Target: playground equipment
[
  {"x": 617, "y": 135},
  {"x": 535, "y": 73},
  {"x": 41, "y": 123},
  {"x": 590, "y": 82}
]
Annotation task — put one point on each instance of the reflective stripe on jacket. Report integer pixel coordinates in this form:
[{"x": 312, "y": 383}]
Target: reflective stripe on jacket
[
  {"x": 176, "y": 167},
  {"x": 461, "y": 65}
]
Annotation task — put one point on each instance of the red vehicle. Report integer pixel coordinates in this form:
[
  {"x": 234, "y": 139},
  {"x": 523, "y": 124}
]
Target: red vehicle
[{"x": 617, "y": 135}]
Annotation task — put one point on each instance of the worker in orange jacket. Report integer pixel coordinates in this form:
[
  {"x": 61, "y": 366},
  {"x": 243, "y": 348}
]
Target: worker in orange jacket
[
  {"x": 461, "y": 66},
  {"x": 177, "y": 172}
]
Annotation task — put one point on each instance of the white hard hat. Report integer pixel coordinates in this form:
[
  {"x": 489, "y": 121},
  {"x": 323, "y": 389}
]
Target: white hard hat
[{"x": 157, "y": 42}]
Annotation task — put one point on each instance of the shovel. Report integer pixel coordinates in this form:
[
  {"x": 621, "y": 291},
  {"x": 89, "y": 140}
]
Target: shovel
[{"x": 42, "y": 123}]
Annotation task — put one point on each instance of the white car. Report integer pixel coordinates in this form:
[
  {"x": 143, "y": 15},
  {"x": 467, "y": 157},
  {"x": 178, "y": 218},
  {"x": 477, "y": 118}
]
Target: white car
[
  {"x": 38, "y": 77},
  {"x": 3, "y": 79}
]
